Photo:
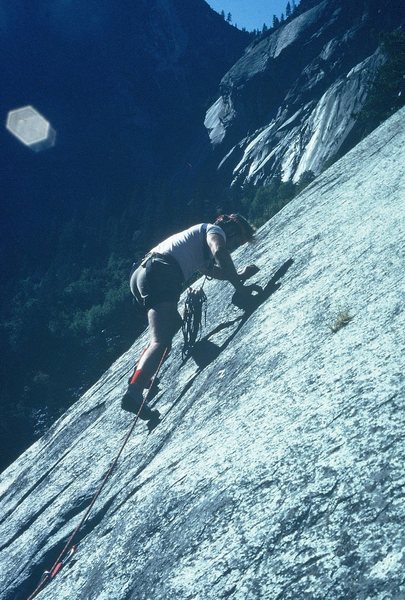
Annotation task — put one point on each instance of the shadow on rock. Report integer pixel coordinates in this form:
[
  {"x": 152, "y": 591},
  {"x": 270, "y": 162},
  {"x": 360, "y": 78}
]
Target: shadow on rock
[{"x": 205, "y": 351}]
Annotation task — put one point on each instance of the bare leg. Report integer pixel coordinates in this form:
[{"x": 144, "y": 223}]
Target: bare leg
[{"x": 164, "y": 322}]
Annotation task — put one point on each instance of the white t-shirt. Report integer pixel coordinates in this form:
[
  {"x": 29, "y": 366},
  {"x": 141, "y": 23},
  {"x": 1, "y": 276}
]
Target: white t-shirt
[{"x": 187, "y": 247}]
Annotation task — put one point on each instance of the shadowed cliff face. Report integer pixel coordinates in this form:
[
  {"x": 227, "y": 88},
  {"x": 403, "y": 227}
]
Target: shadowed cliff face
[
  {"x": 278, "y": 467},
  {"x": 125, "y": 84},
  {"x": 290, "y": 102},
  {"x": 125, "y": 87}
]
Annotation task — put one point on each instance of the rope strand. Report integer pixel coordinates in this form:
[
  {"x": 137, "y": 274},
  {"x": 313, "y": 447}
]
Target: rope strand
[{"x": 48, "y": 575}]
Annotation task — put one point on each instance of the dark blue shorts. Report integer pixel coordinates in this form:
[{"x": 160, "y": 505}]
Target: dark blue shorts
[{"x": 157, "y": 279}]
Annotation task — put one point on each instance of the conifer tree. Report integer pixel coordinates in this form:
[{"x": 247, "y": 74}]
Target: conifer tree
[
  {"x": 229, "y": 18},
  {"x": 387, "y": 92},
  {"x": 288, "y": 10},
  {"x": 276, "y": 22}
]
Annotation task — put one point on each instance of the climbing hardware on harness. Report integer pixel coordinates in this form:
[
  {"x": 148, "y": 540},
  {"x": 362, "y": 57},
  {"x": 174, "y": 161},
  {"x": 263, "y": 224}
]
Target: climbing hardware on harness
[{"x": 195, "y": 307}]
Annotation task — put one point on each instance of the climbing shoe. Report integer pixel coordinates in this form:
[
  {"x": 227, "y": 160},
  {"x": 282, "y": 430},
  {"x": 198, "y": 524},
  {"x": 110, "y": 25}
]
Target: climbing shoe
[
  {"x": 132, "y": 402},
  {"x": 152, "y": 386}
]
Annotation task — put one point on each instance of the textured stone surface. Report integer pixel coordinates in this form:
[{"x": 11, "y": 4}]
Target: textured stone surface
[
  {"x": 277, "y": 471},
  {"x": 289, "y": 104}
]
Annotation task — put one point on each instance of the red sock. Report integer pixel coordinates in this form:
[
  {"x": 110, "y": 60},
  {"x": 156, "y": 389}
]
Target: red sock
[{"x": 137, "y": 374}]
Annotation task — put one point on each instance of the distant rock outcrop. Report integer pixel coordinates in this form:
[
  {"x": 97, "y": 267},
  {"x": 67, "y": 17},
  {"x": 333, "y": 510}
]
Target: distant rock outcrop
[
  {"x": 277, "y": 471},
  {"x": 290, "y": 102}
]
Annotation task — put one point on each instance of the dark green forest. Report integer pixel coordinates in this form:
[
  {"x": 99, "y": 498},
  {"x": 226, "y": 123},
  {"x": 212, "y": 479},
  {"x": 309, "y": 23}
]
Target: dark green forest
[{"x": 65, "y": 319}]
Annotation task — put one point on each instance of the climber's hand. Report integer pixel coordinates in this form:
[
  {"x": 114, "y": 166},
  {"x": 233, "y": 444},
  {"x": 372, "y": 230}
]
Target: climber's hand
[{"x": 248, "y": 272}]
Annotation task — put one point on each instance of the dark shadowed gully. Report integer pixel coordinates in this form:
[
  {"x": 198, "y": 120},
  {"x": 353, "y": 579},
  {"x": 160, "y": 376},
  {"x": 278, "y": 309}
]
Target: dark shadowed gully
[{"x": 277, "y": 470}]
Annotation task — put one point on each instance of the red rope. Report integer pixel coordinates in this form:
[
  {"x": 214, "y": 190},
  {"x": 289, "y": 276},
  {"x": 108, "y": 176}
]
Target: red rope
[{"x": 48, "y": 575}]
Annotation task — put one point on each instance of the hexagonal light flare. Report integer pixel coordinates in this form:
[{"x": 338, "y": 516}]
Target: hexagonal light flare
[{"x": 31, "y": 128}]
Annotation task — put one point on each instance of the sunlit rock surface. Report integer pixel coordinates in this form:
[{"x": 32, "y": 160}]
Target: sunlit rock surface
[
  {"x": 289, "y": 104},
  {"x": 277, "y": 471}
]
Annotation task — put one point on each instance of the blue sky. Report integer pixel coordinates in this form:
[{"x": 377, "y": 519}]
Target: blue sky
[{"x": 250, "y": 13}]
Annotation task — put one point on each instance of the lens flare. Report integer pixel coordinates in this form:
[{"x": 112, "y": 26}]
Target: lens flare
[{"x": 31, "y": 128}]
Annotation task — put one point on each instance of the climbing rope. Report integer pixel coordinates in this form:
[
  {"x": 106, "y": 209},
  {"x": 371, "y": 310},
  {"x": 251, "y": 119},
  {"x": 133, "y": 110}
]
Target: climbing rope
[
  {"x": 195, "y": 306},
  {"x": 69, "y": 548}
]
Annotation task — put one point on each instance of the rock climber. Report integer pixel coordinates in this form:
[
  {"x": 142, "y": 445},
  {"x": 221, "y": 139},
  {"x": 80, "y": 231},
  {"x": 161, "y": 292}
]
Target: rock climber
[{"x": 157, "y": 282}]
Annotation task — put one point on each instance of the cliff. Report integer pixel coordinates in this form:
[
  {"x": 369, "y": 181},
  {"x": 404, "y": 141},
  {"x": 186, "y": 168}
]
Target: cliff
[
  {"x": 125, "y": 88},
  {"x": 290, "y": 103},
  {"x": 277, "y": 471}
]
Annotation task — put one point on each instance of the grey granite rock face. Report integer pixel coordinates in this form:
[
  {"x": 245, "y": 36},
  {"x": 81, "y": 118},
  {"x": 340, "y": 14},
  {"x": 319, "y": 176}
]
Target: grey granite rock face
[
  {"x": 277, "y": 471},
  {"x": 289, "y": 104}
]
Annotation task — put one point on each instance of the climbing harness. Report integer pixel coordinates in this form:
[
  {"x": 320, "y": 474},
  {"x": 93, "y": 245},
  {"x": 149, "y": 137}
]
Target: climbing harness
[
  {"x": 69, "y": 548},
  {"x": 195, "y": 306}
]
